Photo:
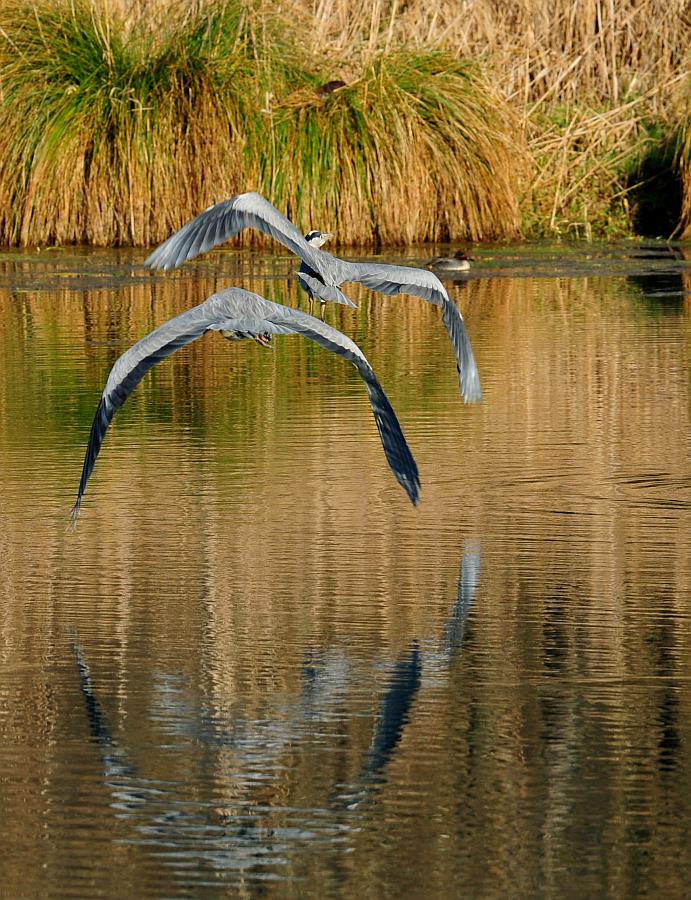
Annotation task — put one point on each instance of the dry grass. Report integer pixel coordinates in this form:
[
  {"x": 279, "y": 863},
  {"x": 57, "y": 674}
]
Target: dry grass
[
  {"x": 684, "y": 162},
  {"x": 119, "y": 121},
  {"x": 117, "y": 129},
  {"x": 540, "y": 49},
  {"x": 594, "y": 85},
  {"x": 587, "y": 165},
  {"x": 103, "y": 130},
  {"x": 415, "y": 148}
]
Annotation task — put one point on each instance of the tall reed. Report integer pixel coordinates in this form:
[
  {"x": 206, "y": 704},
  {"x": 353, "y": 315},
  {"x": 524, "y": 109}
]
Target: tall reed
[
  {"x": 593, "y": 83},
  {"x": 542, "y": 50},
  {"x": 684, "y": 164},
  {"x": 417, "y": 147},
  {"x": 120, "y": 119},
  {"x": 115, "y": 129},
  {"x": 111, "y": 133}
]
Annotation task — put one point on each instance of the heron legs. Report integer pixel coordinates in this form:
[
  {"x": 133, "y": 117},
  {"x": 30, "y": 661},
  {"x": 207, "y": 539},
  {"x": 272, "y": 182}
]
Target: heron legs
[
  {"x": 322, "y": 306},
  {"x": 262, "y": 338}
]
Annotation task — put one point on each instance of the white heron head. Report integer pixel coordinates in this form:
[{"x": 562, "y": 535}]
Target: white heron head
[{"x": 317, "y": 238}]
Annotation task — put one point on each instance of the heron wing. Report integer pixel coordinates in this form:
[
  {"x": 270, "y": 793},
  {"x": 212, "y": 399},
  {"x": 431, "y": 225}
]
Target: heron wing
[
  {"x": 395, "y": 446},
  {"x": 129, "y": 369},
  {"x": 424, "y": 284},
  {"x": 218, "y": 223},
  {"x": 240, "y": 310}
]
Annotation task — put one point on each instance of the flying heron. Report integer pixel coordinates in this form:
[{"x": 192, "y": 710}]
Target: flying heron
[
  {"x": 321, "y": 274},
  {"x": 451, "y": 265},
  {"x": 238, "y": 315}
]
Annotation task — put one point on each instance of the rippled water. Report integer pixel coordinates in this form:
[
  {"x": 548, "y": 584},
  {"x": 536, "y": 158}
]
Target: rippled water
[{"x": 255, "y": 663}]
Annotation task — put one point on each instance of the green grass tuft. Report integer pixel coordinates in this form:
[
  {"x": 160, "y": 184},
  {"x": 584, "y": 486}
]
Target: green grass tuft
[
  {"x": 114, "y": 134},
  {"x": 417, "y": 148},
  {"x": 116, "y": 131}
]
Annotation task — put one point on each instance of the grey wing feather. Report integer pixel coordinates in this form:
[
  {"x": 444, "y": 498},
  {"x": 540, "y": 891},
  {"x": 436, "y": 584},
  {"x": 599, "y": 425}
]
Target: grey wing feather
[
  {"x": 424, "y": 284},
  {"x": 323, "y": 291},
  {"x": 395, "y": 446},
  {"x": 243, "y": 311},
  {"x": 218, "y": 223},
  {"x": 129, "y": 369}
]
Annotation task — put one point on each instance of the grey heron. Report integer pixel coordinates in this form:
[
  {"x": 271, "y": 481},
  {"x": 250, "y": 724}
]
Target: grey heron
[
  {"x": 238, "y": 315},
  {"x": 459, "y": 262},
  {"x": 321, "y": 274}
]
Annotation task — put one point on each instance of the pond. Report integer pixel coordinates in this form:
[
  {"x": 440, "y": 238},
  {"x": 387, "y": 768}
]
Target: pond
[{"x": 254, "y": 666}]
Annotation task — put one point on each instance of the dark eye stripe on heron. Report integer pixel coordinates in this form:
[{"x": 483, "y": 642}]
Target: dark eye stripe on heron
[
  {"x": 239, "y": 314},
  {"x": 321, "y": 274}
]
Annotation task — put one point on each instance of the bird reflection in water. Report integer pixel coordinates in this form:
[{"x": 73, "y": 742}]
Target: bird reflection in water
[
  {"x": 244, "y": 833},
  {"x": 406, "y": 678},
  {"x": 129, "y": 792}
]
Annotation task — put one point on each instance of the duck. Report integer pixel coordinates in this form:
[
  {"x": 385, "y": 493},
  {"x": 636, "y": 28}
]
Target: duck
[{"x": 459, "y": 262}]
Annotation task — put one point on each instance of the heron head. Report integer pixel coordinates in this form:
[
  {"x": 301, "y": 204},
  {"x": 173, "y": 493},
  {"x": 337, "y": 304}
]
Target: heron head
[{"x": 317, "y": 238}]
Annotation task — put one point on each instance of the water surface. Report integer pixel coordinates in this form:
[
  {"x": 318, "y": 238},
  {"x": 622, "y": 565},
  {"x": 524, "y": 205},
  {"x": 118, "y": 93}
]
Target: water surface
[{"x": 255, "y": 666}]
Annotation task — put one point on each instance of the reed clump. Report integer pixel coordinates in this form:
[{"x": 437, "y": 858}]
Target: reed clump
[
  {"x": 598, "y": 87},
  {"x": 417, "y": 147},
  {"x": 111, "y": 131},
  {"x": 117, "y": 128},
  {"x": 391, "y": 122}
]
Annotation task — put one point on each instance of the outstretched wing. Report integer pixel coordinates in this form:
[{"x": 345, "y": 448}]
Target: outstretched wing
[
  {"x": 395, "y": 446},
  {"x": 224, "y": 220},
  {"x": 129, "y": 369},
  {"x": 239, "y": 310},
  {"x": 425, "y": 284}
]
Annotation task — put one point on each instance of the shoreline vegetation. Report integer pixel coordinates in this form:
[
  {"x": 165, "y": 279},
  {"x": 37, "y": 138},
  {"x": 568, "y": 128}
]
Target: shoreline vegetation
[{"x": 393, "y": 122}]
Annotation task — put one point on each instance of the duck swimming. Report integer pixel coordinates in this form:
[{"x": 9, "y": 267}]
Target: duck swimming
[{"x": 459, "y": 262}]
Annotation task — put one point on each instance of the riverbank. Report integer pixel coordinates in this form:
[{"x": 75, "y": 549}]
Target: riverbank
[{"x": 116, "y": 125}]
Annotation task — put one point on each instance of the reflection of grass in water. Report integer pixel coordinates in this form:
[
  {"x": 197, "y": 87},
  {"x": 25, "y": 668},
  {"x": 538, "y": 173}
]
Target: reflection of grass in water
[
  {"x": 561, "y": 359},
  {"x": 98, "y": 326},
  {"x": 116, "y": 133},
  {"x": 70, "y": 343}
]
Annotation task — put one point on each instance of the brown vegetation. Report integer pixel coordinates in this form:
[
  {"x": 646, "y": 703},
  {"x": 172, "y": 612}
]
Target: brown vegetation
[{"x": 118, "y": 123}]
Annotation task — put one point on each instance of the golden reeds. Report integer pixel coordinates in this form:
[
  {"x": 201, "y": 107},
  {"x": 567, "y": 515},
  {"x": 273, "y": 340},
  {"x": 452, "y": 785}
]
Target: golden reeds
[
  {"x": 541, "y": 50},
  {"x": 418, "y": 147},
  {"x": 120, "y": 121},
  {"x": 105, "y": 131},
  {"x": 684, "y": 164},
  {"x": 595, "y": 85}
]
